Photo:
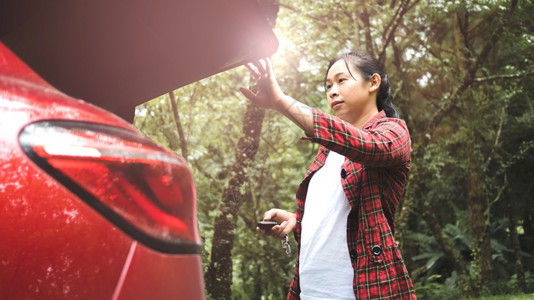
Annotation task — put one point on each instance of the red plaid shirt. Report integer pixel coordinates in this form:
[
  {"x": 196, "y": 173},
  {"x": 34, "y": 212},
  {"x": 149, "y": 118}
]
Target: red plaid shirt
[{"x": 377, "y": 161}]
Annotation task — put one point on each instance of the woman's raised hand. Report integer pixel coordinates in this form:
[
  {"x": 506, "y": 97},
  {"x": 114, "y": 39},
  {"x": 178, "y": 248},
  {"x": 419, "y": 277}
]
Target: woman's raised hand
[{"x": 269, "y": 94}]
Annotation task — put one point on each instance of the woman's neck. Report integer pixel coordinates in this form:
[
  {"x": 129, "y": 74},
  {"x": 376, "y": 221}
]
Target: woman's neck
[{"x": 360, "y": 121}]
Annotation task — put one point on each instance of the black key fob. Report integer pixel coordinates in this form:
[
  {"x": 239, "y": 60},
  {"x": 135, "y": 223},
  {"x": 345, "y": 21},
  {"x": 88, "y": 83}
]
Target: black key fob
[{"x": 266, "y": 225}]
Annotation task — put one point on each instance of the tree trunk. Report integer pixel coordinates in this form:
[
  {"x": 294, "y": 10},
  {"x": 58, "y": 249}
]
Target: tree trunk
[
  {"x": 477, "y": 205},
  {"x": 219, "y": 273},
  {"x": 516, "y": 246}
]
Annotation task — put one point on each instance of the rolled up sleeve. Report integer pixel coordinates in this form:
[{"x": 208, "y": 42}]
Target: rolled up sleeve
[{"x": 383, "y": 142}]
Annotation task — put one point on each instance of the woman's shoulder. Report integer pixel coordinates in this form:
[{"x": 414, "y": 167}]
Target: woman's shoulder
[{"x": 381, "y": 120}]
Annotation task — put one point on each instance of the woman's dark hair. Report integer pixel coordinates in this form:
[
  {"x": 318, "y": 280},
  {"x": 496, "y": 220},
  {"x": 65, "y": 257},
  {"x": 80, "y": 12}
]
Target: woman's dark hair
[{"x": 367, "y": 65}]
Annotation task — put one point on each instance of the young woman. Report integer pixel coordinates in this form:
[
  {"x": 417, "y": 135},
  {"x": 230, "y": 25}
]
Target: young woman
[{"x": 347, "y": 200}]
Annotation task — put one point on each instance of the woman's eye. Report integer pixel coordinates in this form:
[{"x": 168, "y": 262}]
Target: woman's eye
[
  {"x": 328, "y": 86},
  {"x": 341, "y": 80}
]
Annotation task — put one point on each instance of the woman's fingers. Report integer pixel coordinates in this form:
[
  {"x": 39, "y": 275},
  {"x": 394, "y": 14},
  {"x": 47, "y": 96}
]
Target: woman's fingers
[
  {"x": 268, "y": 93},
  {"x": 275, "y": 231},
  {"x": 284, "y": 230},
  {"x": 253, "y": 69},
  {"x": 281, "y": 217},
  {"x": 260, "y": 64},
  {"x": 247, "y": 93},
  {"x": 273, "y": 215},
  {"x": 260, "y": 68},
  {"x": 268, "y": 66}
]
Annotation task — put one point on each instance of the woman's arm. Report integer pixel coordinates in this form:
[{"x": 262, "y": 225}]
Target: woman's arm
[
  {"x": 385, "y": 145},
  {"x": 383, "y": 142}
]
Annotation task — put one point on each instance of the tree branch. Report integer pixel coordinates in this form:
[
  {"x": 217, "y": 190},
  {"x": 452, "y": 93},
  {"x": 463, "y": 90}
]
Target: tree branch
[
  {"x": 497, "y": 137},
  {"x": 202, "y": 170},
  {"x": 178, "y": 123},
  {"x": 367, "y": 29},
  {"x": 497, "y": 198},
  {"x": 503, "y": 77},
  {"x": 192, "y": 100},
  {"x": 391, "y": 28}
]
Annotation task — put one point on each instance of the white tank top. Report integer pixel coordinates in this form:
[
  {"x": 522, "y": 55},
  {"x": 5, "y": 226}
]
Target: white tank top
[{"x": 325, "y": 269}]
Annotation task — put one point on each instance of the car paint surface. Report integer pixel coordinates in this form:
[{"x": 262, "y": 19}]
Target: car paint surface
[{"x": 53, "y": 245}]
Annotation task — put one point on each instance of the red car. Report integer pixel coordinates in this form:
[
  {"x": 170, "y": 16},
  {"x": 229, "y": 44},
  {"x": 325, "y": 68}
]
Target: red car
[{"x": 89, "y": 208}]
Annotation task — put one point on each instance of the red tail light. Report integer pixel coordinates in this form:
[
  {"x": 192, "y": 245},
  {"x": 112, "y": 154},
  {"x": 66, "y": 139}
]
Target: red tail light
[{"x": 142, "y": 188}]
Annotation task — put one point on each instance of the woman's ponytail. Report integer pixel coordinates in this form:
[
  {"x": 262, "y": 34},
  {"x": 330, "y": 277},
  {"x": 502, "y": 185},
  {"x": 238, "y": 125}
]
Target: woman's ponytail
[{"x": 384, "y": 99}]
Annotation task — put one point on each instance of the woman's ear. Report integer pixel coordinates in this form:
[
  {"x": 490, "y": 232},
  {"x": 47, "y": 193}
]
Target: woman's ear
[{"x": 374, "y": 83}]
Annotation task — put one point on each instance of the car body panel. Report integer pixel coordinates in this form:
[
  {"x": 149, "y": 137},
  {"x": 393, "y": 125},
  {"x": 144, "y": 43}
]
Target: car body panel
[
  {"x": 53, "y": 246},
  {"x": 148, "y": 268},
  {"x": 49, "y": 237}
]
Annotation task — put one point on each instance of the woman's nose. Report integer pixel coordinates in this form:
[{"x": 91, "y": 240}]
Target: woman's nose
[{"x": 333, "y": 92}]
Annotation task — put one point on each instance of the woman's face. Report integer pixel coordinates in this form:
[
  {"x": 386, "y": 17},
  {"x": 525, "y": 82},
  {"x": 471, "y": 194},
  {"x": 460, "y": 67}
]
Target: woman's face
[{"x": 349, "y": 97}]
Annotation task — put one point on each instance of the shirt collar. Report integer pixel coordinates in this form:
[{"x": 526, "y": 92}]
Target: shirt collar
[{"x": 380, "y": 115}]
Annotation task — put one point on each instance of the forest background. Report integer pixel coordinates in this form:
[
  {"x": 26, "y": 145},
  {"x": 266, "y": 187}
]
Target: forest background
[{"x": 462, "y": 78}]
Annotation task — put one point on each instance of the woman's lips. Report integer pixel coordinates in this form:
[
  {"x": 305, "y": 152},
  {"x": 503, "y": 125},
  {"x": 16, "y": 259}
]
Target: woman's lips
[{"x": 335, "y": 104}]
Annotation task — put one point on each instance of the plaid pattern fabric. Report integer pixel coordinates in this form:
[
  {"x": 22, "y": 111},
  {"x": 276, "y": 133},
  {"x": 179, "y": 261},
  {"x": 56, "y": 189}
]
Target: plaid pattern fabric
[{"x": 373, "y": 177}]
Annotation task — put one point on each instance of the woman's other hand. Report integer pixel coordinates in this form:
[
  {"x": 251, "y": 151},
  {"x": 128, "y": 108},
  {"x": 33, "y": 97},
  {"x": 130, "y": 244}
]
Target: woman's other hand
[{"x": 287, "y": 222}]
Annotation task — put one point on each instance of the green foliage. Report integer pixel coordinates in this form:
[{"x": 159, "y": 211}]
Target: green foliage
[
  {"x": 431, "y": 288},
  {"x": 505, "y": 297}
]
